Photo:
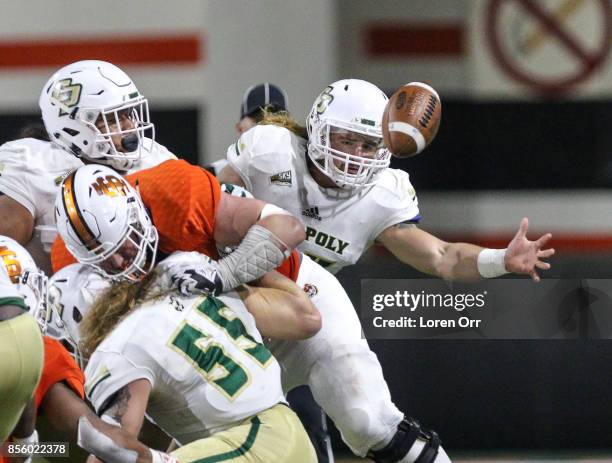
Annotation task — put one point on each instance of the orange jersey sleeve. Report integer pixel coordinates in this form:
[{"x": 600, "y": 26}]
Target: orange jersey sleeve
[
  {"x": 182, "y": 200},
  {"x": 291, "y": 266},
  {"x": 60, "y": 256},
  {"x": 59, "y": 366}
]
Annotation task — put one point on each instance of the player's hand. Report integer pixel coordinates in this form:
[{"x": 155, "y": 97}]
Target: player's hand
[
  {"x": 192, "y": 273},
  {"x": 524, "y": 256}
]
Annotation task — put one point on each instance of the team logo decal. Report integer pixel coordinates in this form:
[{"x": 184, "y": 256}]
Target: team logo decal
[
  {"x": 282, "y": 178},
  {"x": 54, "y": 296},
  {"x": 11, "y": 263},
  {"x": 325, "y": 98},
  {"x": 67, "y": 93},
  {"x": 110, "y": 186},
  {"x": 311, "y": 290}
]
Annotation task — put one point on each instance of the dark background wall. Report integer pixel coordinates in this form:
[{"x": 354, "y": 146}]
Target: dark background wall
[
  {"x": 489, "y": 145},
  {"x": 499, "y": 394}
]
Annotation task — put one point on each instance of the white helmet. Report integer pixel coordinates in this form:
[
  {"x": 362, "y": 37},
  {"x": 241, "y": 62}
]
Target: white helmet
[
  {"x": 86, "y": 95},
  {"x": 31, "y": 282},
  {"x": 350, "y": 105},
  {"x": 72, "y": 292},
  {"x": 104, "y": 223}
]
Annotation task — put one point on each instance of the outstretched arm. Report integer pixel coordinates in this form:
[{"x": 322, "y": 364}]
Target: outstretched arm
[{"x": 464, "y": 261}]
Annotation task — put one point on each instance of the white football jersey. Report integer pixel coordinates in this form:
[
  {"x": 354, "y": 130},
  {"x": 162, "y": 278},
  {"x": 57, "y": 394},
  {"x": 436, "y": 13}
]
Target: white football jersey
[
  {"x": 30, "y": 172},
  {"x": 206, "y": 363},
  {"x": 340, "y": 226}
]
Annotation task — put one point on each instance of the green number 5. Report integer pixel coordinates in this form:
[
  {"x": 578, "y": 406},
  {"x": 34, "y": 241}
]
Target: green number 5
[{"x": 210, "y": 358}]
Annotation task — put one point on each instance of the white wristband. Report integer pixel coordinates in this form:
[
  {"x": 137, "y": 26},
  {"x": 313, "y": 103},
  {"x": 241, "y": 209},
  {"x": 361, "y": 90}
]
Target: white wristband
[
  {"x": 25, "y": 441},
  {"x": 161, "y": 457},
  {"x": 31, "y": 439},
  {"x": 491, "y": 263},
  {"x": 271, "y": 209}
]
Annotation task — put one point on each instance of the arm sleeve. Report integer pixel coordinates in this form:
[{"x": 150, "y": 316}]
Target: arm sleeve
[
  {"x": 60, "y": 256},
  {"x": 58, "y": 366}
]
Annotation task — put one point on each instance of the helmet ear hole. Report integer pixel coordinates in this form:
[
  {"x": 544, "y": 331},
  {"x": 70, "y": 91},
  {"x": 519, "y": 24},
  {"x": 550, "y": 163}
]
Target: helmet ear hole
[
  {"x": 76, "y": 314},
  {"x": 71, "y": 132}
]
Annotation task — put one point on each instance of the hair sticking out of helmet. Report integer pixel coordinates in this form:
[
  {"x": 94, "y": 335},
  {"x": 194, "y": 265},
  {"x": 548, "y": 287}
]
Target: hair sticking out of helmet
[
  {"x": 30, "y": 281},
  {"x": 345, "y": 133},
  {"x": 104, "y": 223},
  {"x": 93, "y": 110}
]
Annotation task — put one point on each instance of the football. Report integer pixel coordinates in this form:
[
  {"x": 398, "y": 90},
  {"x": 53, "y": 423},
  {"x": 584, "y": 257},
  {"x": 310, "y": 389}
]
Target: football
[{"x": 411, "y": 119}]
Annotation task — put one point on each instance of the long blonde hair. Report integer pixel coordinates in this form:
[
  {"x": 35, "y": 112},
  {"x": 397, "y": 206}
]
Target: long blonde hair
[
  {"x": 283, "y": 119},
  {"x": 114, "y": 305}
]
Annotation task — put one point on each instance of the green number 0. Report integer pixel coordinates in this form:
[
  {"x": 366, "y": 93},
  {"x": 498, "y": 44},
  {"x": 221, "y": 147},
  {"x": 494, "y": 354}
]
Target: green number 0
[{"x": 210, "y": 358}]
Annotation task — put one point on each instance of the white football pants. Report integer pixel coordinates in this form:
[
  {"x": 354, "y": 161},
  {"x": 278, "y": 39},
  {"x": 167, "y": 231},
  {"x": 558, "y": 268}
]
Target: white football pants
[{"x": 343, "y": 373}]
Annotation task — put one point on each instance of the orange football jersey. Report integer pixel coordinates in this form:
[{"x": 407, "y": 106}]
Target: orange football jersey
[{"x": 59, "y": 366}]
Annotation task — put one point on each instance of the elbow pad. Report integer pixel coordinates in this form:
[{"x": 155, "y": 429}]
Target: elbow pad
[{"x": 259, "y": 252}]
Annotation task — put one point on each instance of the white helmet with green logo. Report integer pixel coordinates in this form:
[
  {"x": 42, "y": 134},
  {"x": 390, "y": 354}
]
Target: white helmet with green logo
[
  {"x": 355, "y": 106},
  {"x": 88, "y": 103}
]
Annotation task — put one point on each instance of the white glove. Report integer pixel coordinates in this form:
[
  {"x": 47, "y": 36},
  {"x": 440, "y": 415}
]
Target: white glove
[
  {"x": 191, "y": 273},
  {"x": 161, "y": 457}
]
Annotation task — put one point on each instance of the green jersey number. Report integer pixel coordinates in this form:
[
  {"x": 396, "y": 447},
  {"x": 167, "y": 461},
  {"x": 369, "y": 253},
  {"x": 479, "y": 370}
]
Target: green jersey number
[{"x": 210, "y": 358}]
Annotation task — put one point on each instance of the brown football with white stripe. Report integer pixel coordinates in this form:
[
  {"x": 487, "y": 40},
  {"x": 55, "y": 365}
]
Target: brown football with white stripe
[{"x": 411, "y": 119}]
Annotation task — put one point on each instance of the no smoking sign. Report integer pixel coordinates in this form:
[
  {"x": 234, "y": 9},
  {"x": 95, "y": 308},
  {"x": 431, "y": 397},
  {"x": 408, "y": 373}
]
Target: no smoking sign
[{"x": 549, "y": 45}]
